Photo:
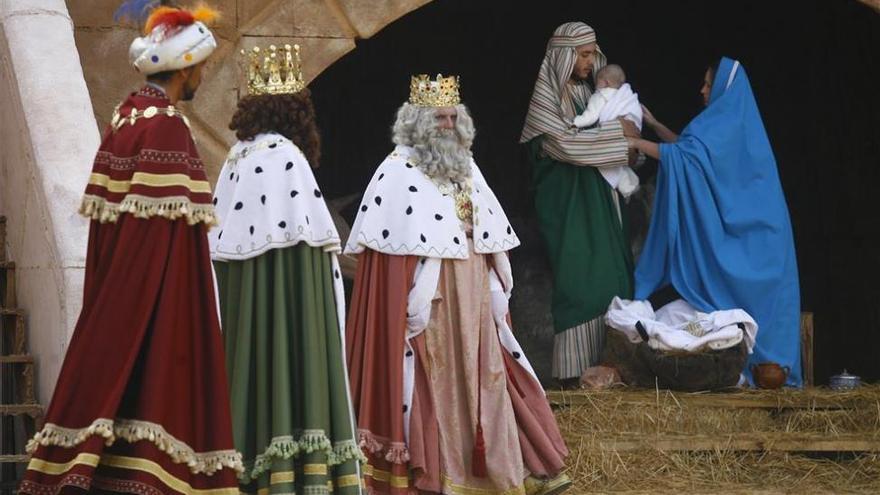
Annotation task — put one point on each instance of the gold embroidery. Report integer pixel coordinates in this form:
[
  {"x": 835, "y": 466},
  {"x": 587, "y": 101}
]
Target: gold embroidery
[
  {"x": 315, "y": 469},
  {"x": 466, "y": 490},
  {"x": 282, "y": 477},
  {"x": 347, "y": 480},
  {"x": 118, "y": 120},
  {"x": 121, "y": 462},
  {"x": 132, "y": 431},
  {"x": 156, "y": 470},
  {"x": 172, "y": 208},
  {"x": 151, "y": 180},
  {"x": 54, "y": 468},
  {"x": 386, "y": 477}
]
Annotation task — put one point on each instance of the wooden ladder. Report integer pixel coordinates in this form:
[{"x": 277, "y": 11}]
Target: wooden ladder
[{"x": 20, "y": 413}]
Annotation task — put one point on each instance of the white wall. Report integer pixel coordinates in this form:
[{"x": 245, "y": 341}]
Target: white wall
[{"x": 48, "y": 138}]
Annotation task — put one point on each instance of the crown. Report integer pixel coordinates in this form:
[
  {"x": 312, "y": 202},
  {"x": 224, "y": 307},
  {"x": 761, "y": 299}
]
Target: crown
[
  {"x": 274, "y": 71},
  {"x": 440, "y": 93}
]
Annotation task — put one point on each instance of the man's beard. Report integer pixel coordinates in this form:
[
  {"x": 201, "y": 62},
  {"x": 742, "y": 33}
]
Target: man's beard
[{"x": 441, "y": 156}]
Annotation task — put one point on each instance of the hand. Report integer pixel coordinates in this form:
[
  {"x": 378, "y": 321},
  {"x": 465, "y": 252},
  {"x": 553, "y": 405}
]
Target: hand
[
  {"x": 631, "y": 142},
  {"x": 629, "y": 129},
  {"x": 648, "y": 117}
]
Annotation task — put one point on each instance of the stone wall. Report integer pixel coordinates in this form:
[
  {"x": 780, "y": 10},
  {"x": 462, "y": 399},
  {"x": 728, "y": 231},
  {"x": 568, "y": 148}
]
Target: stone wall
[
  {"x": 325, "y": 29},
  {"x": 48, "y": 139}
]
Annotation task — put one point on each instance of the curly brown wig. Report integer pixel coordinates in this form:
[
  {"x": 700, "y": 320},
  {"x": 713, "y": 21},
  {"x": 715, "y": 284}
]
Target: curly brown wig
[{"x": 291, "y": 115}]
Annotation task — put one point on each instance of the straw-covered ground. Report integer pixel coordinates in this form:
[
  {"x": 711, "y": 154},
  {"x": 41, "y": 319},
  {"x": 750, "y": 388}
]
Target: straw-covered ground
[{"x": 652, "y": 441}]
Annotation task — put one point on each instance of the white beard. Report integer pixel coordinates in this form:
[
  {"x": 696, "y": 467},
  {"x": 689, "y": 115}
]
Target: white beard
[{"x": 443, "y": 157}]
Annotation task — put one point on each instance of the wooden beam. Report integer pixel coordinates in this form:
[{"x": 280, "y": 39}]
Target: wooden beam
[
  {"x": 18, "y": 459},
  {"x": 807, "y": 348},
  {"x": 817, "y": 399},
  {"x": 786, "y": 442},
  {"x": 32, "y": 410},
  {"x": 17, "y": 358}
]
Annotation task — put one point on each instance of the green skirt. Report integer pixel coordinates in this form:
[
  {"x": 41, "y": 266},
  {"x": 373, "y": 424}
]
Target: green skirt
[
  {"x": 291, "y": 412},
  {"x": 587, "y": 242}
]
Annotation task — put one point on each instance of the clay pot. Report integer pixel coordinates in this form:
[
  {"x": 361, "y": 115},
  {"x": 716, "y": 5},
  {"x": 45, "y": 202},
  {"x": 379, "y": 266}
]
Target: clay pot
[{"x": 769, "y": 375}]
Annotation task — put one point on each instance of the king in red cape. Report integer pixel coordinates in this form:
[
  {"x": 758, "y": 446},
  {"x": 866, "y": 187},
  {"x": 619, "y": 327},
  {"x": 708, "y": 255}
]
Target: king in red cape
[
  {"x": 446, "y": 400},
  {"x": 141, "y": 404}
]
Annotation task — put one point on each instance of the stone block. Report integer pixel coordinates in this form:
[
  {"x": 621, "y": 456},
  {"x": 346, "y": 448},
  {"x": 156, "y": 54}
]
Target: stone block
[
  {"x": 99, "y": 13},
  {"x": 109, "y": 76},
  {"x": 74, "y": 277},
  {"x": 368, "y": 18},
  {"x": 36, "y": 250},
  {"x": 301, "y": 18},
  {"x": 38, "y": 296}
]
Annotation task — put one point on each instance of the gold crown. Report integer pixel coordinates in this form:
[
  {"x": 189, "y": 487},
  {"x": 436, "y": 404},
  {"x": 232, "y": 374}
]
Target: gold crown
[
  {"x": 440, "y": 93},
  {"x": 274, "y": 71}
]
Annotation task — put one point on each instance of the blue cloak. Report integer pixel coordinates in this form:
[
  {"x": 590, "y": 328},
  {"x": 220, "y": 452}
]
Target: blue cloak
[{"x": 720, "y": 231}]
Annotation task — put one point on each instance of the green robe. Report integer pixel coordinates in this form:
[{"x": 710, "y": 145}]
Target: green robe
[
  {"x": 284, "y": 355},
  {"x": 588, "y": 248}
]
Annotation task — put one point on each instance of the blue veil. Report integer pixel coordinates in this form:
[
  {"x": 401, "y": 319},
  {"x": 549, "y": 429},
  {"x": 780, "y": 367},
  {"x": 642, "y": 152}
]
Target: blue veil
[{"x": 720, "y": 232}]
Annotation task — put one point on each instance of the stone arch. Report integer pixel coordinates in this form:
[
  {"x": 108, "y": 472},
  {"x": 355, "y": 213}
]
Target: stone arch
[{"x": 326, "y": 29}]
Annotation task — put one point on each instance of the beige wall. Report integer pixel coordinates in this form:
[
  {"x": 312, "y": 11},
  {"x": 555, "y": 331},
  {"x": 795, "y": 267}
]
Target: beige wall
[
  {"x": 47, "y": 141},
  {"x": 326, "y": 30}
]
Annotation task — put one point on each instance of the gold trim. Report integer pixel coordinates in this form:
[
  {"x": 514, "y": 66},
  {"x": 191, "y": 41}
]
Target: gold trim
[
  {"x": 55, "y": 468},
  {"x": 282, "y": 477},
  {"x": 347, "y": 481},
  {"x": 150, "y": 180},
  {"x": 172, "y": 208},
  {"x": 131, "y": 431},
  {"x": 441, "y": 92},
  {"x": 386, "y": 477},
  {"x": 132, "y": 463},
  {"x": 457, "y": 489},
  {"x": 118, "y": 120},
  {"x": 315, "y": 470},
  {"x": 165, "y": 477}
]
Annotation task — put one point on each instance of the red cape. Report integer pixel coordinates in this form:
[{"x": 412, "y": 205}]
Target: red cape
[{"x": 375, "y": 336}]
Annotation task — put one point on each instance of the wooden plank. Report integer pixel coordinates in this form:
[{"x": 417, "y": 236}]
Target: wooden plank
[
  {"x": 18, "y": 459},
  {"x": 807, "y": 348},
  {"x": 9, "y": 299},
  {"x": 2, "y": 238},
  {"x": 786, "y": 442},
  {"x": 32, "y": 410},
  {"x": 17, "y": 358},
  {"x": 819, "y": 399}
]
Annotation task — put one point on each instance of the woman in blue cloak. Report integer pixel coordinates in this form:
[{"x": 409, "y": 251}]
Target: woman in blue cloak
[{"x": 720, "y": 233}]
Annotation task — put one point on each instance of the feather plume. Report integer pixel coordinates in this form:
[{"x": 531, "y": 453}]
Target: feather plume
[
  {"x": 134, "y": 11},
  {"x": 169, "y": 18},
  {"x": 205, "y": 14}
]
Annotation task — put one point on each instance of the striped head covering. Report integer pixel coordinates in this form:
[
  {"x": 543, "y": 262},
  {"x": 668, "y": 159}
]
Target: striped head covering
[{"x": 552, "y": 107}]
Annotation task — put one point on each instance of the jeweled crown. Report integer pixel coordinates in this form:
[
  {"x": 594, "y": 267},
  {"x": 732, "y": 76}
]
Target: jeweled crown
[
  {"x": 442, "y": 92},
  {"x": 274, "y": 71}
]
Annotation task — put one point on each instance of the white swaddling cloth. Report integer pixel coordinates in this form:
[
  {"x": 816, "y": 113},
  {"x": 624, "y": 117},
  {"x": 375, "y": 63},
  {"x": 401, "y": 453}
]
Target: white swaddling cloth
[
  {"x": 622, "y": 103},
  {"x": 678, "y": 326}
]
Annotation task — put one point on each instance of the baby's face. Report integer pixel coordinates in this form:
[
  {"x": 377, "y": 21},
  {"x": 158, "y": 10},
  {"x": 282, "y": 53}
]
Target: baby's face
[{"x": 602, "y": 83}]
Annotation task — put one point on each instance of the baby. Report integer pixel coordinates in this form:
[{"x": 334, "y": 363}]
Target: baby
[{"x": 613, "y": 99}]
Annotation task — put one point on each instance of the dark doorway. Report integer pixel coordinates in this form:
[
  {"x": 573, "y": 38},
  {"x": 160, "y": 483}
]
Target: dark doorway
[{"x": 814, "y": 69}]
